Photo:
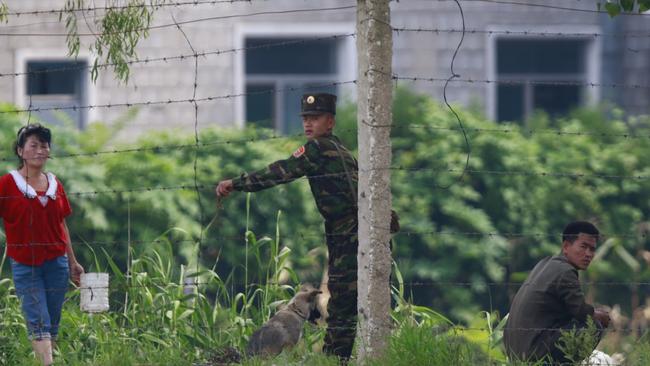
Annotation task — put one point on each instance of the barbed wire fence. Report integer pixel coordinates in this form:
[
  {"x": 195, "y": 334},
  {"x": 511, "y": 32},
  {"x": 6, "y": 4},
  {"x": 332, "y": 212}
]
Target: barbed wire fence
[
  {"x": 396, "y": 77},
  {"x": 195, "y": 102}
]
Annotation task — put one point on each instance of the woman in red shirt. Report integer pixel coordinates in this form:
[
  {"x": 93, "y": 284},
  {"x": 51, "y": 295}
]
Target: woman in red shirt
[{"x": 33, "y": 207}]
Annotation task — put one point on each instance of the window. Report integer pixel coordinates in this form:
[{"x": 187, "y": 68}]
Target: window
[
  {"x": 522, "y": 65},
  {"x": 57, "y": 84},
  {"x": 277, "y": 76}
]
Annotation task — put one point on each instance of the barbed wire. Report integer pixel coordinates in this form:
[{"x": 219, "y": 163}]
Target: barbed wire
[
  {"x": 171, "y": 25},
  {"x": 396, "y": 29},
  {"x": 316, "y": 233},
  {"x": 58, "y": 12},
  {"x": 523, "y": 172},
  {"x": 535, "y": 131},
  {"x": 556, "y": 7},
  {"x": 195, "y": 186},
  {"x": 146, "y": 283},
  {"x": 543, "y": 174},
  {"x": 189, "y": 186},
  {"x": 525, "y": 82},
  {"x": 177, "y": 101},
  {"x": 453, "y": 75},
  {"x": 129, "y": 6},
  {"x": 627, "y": 34},
  {"x": 334, "y": 37},
  {"x": 395, "y": 77},
  {"x": 396, "y": 127},
  {"x": 42, "y": 23},
  {"x": 159, "y": 148},
  {"x": 184, "y": 56},
  {"x": 197, "y": 142}
]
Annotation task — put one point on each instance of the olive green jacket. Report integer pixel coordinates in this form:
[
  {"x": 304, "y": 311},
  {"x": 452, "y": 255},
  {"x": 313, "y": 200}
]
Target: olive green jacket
[{"x": 550, "y": 298}]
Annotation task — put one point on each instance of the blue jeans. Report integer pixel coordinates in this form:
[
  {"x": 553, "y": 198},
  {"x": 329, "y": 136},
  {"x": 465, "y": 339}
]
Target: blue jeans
[{"x": 41, "y": 290}]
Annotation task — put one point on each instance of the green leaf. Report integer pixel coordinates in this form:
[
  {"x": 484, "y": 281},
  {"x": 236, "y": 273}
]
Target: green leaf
[
  {"x": 613, "y": 9},
  {"x": 185, "y": 314},
  {"x": 155, "y": 339},
  {"x": 644, "y": 5},
  {"x": 627, "y": 5},
  {"x": 4, "y": 10}
]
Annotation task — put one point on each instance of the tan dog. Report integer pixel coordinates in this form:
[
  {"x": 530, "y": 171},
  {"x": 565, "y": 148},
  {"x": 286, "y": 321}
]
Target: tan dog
[{"x": 284, "y": 329}]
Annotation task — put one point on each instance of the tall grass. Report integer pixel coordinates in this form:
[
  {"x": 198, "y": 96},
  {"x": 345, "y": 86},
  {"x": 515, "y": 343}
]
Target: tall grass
[
  {"x": 153, "y": 321},
  {"x": 577, "y": 344}
]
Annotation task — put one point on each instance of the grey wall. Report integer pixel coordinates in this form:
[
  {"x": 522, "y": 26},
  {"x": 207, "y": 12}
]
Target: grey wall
[{"x": 623, "y": 60}]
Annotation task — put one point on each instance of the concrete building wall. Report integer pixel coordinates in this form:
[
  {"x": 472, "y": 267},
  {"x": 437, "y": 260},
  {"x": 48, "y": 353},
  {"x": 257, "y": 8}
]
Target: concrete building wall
[{"x": 221, "y": 27}]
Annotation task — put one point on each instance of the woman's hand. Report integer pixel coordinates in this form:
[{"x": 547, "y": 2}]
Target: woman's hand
[{"x": 75, "y": 272}]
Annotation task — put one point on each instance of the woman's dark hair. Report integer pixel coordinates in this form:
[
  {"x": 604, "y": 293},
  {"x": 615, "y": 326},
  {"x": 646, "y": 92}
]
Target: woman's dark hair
[
  {"x": 573, "y": 230},
  {"x": 35, "y": 129}
]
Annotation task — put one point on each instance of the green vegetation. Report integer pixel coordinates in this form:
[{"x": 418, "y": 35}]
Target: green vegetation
[
  {"x": 138, "y": 216},
  {"x": 119, "y": 30},
  {"x": 152, "y": 321},
  {"x": 616, "y": 7},
  {"x": 577, "y": 345}
]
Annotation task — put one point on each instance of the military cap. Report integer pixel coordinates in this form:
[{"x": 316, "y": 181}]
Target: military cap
[{"x": 313, "y": 104}]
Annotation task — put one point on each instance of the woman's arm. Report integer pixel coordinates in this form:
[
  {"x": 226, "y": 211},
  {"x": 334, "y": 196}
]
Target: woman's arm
[{"x": 75, "y": 268}]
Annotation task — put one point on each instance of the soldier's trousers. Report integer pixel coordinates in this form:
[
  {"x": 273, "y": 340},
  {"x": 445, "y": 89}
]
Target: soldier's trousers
[{"x": 342, "y": 244}]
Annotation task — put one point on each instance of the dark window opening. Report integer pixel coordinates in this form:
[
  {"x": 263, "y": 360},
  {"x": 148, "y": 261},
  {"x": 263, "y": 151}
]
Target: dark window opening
[
  {"x": 534, "y": 71},
  {"x": 260, "y": 105},
  {"x": 279, "y": 71},
  {"x": 57, "y": 90},
  {"x": 290, "y": 56}
]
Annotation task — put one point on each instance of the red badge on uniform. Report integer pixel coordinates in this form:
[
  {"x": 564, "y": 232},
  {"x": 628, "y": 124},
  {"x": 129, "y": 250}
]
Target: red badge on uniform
[{"x": 298, "y": 153}]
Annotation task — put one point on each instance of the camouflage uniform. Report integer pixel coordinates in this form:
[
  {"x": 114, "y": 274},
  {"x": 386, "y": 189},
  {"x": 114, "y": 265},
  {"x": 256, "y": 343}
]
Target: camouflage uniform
[{"x": 332, "y": 173}]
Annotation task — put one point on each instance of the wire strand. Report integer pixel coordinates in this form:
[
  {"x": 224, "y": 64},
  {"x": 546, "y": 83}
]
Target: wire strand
[{"x": 171, "y": 25}]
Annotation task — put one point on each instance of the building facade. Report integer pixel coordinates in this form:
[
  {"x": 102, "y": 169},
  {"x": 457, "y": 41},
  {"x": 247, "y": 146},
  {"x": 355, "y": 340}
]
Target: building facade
[{"x": 257, "y": 57}]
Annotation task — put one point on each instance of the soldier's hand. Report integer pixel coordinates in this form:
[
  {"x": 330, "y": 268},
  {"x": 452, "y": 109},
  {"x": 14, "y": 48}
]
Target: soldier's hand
[{"x": 224, "y": 188}]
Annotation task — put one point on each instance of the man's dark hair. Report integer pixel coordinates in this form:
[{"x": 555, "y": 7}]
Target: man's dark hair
[
  {"x": 34, "y": 129},
  {"x": 574, "y": 229}
]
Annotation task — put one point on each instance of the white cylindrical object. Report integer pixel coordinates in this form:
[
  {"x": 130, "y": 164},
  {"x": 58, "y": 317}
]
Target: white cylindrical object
[
  {"x": 94, "y": 292},
  {"x": 189, "y": 285}
]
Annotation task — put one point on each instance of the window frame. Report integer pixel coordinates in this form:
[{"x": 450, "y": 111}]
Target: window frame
[
  {"x": 346, "y": 61},
  {"x": 591, "y": 75},
  {"x": 88, "y": 92}
]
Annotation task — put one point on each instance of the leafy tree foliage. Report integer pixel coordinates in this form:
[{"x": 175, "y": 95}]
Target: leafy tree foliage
[
  {"x": 464, "y": 235},
  {"x": 616, "y": 7}
]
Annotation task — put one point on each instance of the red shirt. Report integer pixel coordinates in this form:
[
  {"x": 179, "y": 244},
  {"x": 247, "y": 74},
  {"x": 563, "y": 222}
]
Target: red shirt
[{"x": 34, "y": 233}]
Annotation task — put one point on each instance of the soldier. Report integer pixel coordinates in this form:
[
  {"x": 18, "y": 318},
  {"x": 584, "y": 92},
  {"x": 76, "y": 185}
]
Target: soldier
[{"x": 332, "y": 173}]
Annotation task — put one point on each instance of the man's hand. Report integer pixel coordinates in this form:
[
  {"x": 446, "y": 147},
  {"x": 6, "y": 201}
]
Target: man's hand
[
  {"x": 603, "y": 317},
  {"x": 224, "y": 188},
  {"x": 75, "y": 272}
]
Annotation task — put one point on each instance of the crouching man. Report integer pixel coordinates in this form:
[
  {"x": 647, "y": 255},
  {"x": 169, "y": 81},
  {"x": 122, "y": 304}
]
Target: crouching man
[{"x": 551, "y": 300}]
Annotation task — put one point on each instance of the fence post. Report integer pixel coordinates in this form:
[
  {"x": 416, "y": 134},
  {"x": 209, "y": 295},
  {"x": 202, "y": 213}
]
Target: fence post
[{"x": 374, "y": 117}]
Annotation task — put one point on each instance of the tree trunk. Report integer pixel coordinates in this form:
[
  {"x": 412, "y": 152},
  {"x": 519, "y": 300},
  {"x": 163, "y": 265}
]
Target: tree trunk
[{"x": 374, "y": 117}]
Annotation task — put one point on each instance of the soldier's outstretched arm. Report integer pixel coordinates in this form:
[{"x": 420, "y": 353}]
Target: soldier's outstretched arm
[{"x": 305, "y": 160}]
